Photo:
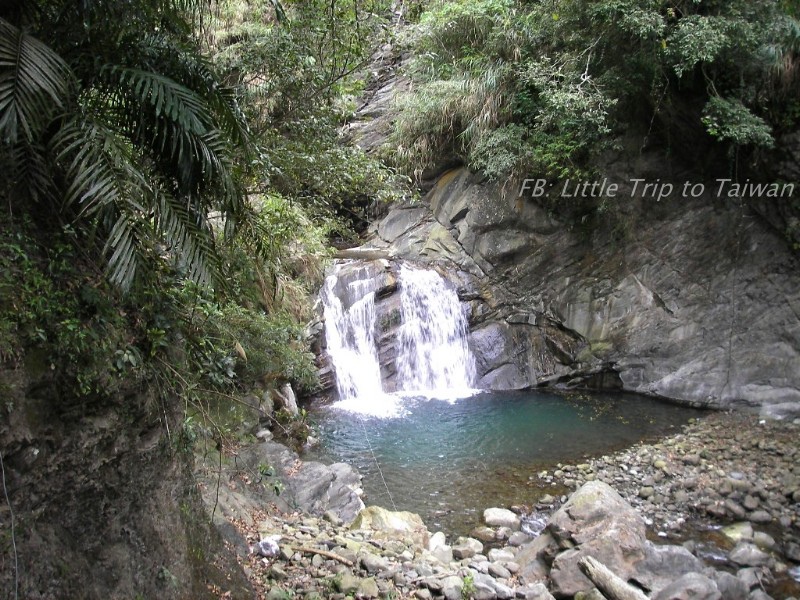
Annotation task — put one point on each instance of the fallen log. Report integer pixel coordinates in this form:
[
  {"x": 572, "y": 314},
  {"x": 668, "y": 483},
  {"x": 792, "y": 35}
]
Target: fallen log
[
  {"x": 325, "y": 554},
  {"x": 612, "y": 586}
]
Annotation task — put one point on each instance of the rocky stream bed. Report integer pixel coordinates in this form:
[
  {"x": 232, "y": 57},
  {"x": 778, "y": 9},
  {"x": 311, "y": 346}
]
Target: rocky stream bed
[{"x": 712, "y": 512}]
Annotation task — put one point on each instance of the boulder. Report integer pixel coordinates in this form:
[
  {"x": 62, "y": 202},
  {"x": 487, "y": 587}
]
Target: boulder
[
  {"x": 595, "y": 522},
  {"x": 466, "y": 548},
  {"x": 399, "y": 221},
  {"x": 393, "y": 525},
  {"x": 535, "y": 557},
  {"x": 664, "y": 564},
  {"x": 746, "y": 554},
  {"x": 501, "y": 517},
  {"x": 692, "y": 586}
]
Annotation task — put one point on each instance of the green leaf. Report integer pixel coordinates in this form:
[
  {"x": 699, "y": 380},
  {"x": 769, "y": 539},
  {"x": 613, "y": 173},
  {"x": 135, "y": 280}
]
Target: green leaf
[{"x": 34, "y": 83}]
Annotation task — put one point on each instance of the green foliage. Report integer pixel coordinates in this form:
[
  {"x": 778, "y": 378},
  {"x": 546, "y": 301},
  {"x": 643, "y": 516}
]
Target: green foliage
[
  {"x": 730, "y": 120},
  {"x": 45, "y": 305},
  {"x": 125, "y": 134},
  {"x": 468, "y": 590},
  {"x": 696, "y": 40},
  {"x": 517, "y": 88},
  {"x": 296, "y": 77}
]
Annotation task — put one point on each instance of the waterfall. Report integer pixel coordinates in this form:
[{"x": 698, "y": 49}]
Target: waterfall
[
  {"x": 433, "y": 358},
  {"x": 350, "y": 334}
]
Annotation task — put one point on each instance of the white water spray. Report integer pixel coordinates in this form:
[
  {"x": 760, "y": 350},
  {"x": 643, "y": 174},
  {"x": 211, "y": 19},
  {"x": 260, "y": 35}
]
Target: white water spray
[
  {"x": 350, "y": 334},
  {"x": 433, "y": 357}
]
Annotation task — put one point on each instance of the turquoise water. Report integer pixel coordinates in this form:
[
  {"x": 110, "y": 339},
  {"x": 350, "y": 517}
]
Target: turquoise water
[{"x": 448, "y": 461}]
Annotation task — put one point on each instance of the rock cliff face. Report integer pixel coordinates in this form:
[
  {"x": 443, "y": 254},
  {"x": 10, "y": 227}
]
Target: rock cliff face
[
  {"x": 698, "y": 301},
  {"x": 104, "y": 503}
]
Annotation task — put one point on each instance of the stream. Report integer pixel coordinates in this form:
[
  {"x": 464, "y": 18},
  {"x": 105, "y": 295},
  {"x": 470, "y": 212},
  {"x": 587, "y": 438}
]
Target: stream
[{"x": 448, "y": 460}]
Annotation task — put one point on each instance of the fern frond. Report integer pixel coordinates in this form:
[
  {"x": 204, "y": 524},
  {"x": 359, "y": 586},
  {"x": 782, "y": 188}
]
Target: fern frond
[{"x": 34, "y": 82}]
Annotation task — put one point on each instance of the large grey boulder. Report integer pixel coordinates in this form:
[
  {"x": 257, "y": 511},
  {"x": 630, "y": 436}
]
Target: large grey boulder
[
  {"x": 311, "y": 486},
  {"x": 389, "y": 524},
  {"x": 595, "y": 522},
  {"x": 664, "y": 564}
]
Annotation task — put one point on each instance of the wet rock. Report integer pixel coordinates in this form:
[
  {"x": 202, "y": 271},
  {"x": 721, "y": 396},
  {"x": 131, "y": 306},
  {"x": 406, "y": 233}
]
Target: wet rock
[
  {"x": 692, "y": 586},
  {"x": 746, "y": 554},
  {"x": 501, "y": 517},
  {"x": 764, "y": 541},
  {"x": 739, "y": 531}
]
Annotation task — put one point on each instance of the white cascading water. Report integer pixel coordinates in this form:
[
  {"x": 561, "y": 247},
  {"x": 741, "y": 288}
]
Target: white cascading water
[
  {"x": 433, "y": 356},
  {"x": 350, "y": 334}
]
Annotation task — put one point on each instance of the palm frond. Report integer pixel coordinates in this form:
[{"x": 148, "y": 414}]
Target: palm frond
[
  {"x": 195, "y": 71},
  {"x": 99, "y": 165},
  {"x": 123, "y": 248},
  {"x": 34, "y": 82},
  {"x": 27, "y": 172},
  {"x": 166, "y": 96},
  {"x": 104, "y": 180},
  {"x": 188, "y": 237}
]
